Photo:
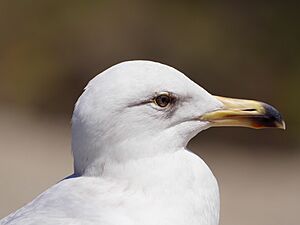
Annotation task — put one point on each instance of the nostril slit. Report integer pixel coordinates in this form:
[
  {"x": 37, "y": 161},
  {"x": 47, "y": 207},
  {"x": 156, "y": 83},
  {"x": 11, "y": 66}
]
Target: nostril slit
[{"x": 249, "y": 110}]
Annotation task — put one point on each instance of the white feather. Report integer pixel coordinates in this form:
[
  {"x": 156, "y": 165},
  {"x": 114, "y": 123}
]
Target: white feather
[{"x": 130, "y": 159}]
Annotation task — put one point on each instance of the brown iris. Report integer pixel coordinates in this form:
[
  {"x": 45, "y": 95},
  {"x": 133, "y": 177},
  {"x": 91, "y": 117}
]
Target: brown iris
[{"x": 163, "y": 100}]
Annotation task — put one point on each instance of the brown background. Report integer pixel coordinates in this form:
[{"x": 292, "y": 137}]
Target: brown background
[{"x": 49, "y": 50}]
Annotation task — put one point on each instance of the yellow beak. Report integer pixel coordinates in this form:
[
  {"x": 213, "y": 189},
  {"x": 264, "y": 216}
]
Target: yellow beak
[{"x": 244, "y": 113}]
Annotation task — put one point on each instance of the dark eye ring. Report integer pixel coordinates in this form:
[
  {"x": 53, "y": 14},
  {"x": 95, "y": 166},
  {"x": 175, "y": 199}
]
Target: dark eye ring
[{"x": 163, "y": 100}]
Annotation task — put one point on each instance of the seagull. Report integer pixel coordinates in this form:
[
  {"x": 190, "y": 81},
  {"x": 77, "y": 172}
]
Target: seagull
[{"x": 130, "y": 129}]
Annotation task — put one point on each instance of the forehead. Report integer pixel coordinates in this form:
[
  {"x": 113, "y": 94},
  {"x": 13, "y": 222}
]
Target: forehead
[{"x": 142, "y": 78}]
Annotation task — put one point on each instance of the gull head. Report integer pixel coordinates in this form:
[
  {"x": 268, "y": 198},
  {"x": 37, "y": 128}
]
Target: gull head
[{"x": 141, "y": 108}]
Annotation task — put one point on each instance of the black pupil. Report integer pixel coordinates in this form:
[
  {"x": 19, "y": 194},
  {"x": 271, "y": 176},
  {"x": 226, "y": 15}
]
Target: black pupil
[{"x": 163, "y": 100}]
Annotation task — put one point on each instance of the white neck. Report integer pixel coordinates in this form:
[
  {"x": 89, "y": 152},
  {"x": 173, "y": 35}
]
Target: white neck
[{"x": 180, "y": 177}]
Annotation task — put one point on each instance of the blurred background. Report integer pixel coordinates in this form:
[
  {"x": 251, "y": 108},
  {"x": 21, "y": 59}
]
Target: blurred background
[{"x": 50, "y": 49}]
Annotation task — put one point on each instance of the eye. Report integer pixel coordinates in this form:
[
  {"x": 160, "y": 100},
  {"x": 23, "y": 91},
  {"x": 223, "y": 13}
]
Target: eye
[{"x": 163, "y": 100}]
